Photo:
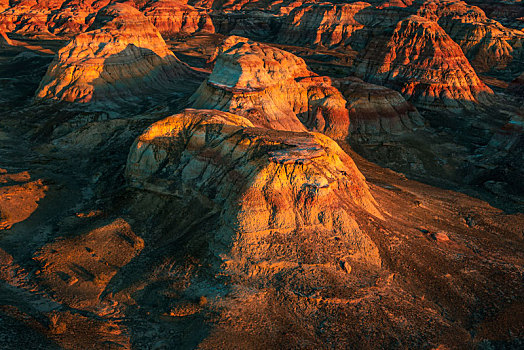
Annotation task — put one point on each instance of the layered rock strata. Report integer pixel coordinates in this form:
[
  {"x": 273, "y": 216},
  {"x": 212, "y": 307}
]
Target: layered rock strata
[
  {"x": 273, "y": 89},
  {"x": 420, "y": 60},
  {"x": 376, "y": 111},
  {"x": 123, "y": 54},
  {"x": 486, "y": 43},
  {"x": 327, "y": 25},
  {"x": 175, "y": 18},
  {"x": 257, "y": 180}
]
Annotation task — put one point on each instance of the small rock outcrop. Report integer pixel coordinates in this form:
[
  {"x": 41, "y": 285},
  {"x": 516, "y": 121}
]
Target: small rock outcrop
[
  {"x": 121, "y": 55},
  {"x": 376, "y": 111},
  {"x": 420, "y": 60},
  {"x": 258, "y": 180},
  {"x": 273, "y": 89}
]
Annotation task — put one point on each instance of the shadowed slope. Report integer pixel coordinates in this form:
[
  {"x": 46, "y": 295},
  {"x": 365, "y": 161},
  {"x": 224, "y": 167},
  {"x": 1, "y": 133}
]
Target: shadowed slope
[{"x": 122, "y": 55}]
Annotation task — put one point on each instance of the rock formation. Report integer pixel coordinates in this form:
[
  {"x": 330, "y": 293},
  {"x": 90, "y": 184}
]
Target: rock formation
[
  {"x": 486, "y": 43},
  {"x": 376, "y": 111},
  {"x": 273, "y": 89},
  {"x": 74, "y": 16},
  {"x": 326, "y": 25},
  {"x": 121, "y": 55},
  {"x": 175, "y": 18},
  {"x": 258, "y": 180},
  {"x": 28, "y": 17},
  {"x": 425, "y": 64}
]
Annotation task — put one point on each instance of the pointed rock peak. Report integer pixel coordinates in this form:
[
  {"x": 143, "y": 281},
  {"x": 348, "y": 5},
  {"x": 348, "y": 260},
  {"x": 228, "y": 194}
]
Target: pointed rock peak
[
  {"x": 420, "y": 60},
  {"x": 120, "y": 58}
]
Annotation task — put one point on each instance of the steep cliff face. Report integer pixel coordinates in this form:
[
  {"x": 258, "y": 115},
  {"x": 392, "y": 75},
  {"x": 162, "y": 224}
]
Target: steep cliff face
[
  {"x": 175, "y": 18},
  {"x": 327, "y": 25},
  {"x": 425, "y": 64},
  {"x": 74, "y": 16},
  {"x": 272, "y": 88},
  {"x": 121, "y": 55},
  {"x": 28, "y": 17},
  {"x": 257, "y": 180},
  {"x": 376, "y": 111},
  {"x": 486, "y": 43}
]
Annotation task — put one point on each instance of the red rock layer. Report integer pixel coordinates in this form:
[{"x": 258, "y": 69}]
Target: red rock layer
[
  {"x": 272, "y": 88},
  {"x": 376, "y": 111},
  {"x": 121, "y": 56},
  {"x": 325, "y": 25},
  {"x": 486, "y": 43},
  {"x": 258, "y": 181},
  {"x": 425, "y": 64},
  {"x": 175, "y": 17}
]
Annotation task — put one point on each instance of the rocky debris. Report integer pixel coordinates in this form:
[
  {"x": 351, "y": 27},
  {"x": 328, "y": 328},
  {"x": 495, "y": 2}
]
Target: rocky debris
[
  {"x": 440, "y": 237},
  {"x": 175, "y": 18},
  {"x": 121, "y": 57},
  {"x": 273, "y": 89},
  {"x": 376, "y": 111},
  {"x": 420, "y": 60},
  {"x": 257, "y": 180},
  {"x": 486, "y": 43}
]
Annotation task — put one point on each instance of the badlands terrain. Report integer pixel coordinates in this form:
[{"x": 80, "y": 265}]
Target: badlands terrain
[{"x": 236, "y": 174}]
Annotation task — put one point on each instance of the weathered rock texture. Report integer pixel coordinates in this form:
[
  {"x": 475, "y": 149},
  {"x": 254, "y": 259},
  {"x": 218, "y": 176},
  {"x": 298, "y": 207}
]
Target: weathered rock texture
[
  {"x": 123, "y": 54},
  {"x": 327, "y": 25},
  {"x": 376, "y": 111},
  {"x": 425, "y": 64},
  {"x": 257, "y": 180},
  {"x": 485, "y": 42},
  {"x": 176, "y": 18},
  {"x": 74, "y": 16},
  {"x": 273, "y": 89}
]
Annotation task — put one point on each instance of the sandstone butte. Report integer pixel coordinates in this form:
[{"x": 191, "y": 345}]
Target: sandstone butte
[
  {"x": 257, "y": 180},
  {"x": 376, "y": 111},
  {"x": 175, "y": 18},
  {"x": 121, "y": 55},
  {"x": 273, "y": 89},
  {"x": 420, "y": 60}
]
